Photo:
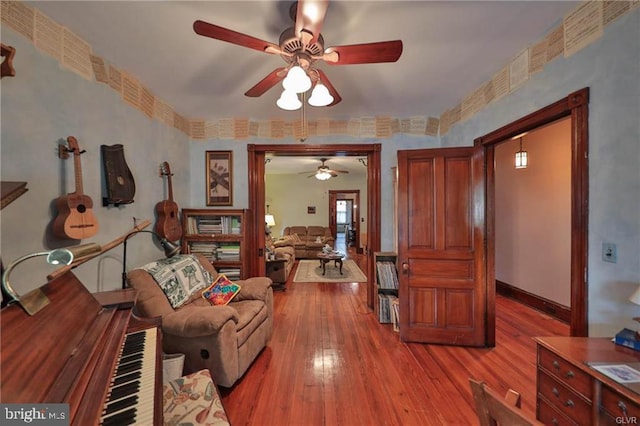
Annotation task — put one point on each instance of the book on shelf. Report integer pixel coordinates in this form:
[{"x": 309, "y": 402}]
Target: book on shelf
[
  {"x": 385, "y": 308},
  {"x": 231, "y": 273},
  {"x": 214, "y": 225},
  {"x": 628, "y": 338},
  {"x": 387, "y": 275}
]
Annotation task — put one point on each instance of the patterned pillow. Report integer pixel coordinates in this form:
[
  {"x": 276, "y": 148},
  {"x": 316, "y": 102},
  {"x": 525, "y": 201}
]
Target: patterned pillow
[
  {"x": 296, "y": 238},
  {"x": 193, "y": 400},
  {"x": 179, "y": 277},
  {"x": 221, "y": 291}
]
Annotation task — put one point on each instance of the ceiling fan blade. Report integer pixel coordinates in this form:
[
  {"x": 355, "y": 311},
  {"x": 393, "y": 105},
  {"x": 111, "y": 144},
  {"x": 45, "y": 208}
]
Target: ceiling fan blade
[
  {"x": 332, "y": 90},
  {"x": 367, "y": 53},
  {"x": 219, "y": 33},
  {"x": 309, "y": 17},
  {"x": 339, "y": 171},
  {"x": 273, "y": 78}
]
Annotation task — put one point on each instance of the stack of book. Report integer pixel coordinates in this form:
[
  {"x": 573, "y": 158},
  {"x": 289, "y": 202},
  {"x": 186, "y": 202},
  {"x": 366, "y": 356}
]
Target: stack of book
[
  {"x": 231, "y": 273},
  {"x": 205, "y": 248},
  {"x": 387, "y": 275},
  {"x": 385, "y": 311},
  {"x": 228, "y": 252}
]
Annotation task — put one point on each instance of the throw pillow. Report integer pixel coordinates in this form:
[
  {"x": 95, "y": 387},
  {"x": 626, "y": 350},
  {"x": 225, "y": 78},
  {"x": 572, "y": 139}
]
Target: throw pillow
[
  {"x": 221, "y": 291},
  {"x": 296, "y": 238},
  {"x": 179, "y": 277}
]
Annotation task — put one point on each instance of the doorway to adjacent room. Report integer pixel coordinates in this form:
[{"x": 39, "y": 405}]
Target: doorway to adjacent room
[{"x": 344, "y": 216}]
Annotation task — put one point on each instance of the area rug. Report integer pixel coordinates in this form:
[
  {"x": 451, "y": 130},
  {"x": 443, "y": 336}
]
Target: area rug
[{"x": 310, "y": 271}]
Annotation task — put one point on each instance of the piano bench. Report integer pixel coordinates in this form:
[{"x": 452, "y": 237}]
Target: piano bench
[{"x": 193, "y": 399}]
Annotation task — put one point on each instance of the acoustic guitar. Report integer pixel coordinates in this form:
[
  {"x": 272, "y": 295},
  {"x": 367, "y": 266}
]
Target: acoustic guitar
[
  {"x": 168, "y": 225},
  {"x": 75, "y": 219}
]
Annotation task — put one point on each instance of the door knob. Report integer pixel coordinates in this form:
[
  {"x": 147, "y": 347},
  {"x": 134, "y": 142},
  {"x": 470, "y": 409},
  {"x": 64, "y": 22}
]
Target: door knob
[{"x": 405, "y": 267}]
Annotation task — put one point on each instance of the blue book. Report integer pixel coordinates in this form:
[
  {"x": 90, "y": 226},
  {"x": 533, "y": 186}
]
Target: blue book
[{"x": 628, "y": 338}]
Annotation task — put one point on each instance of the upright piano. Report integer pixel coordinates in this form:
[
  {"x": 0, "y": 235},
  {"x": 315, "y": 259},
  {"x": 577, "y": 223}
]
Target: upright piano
[{"x": 87, "y": 350}]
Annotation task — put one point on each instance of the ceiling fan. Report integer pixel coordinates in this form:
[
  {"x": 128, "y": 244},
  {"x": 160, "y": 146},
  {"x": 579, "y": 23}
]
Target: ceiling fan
[
  {"x": 323, "y": 172},
  {"x": 303, "y": 46}
]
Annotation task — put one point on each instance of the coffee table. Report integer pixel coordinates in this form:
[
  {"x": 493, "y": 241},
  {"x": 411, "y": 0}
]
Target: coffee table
[{"x": 328, "y": 257}]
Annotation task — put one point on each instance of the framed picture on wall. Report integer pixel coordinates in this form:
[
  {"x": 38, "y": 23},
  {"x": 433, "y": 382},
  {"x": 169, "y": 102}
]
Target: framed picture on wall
[{"x": 219, "y": 184}]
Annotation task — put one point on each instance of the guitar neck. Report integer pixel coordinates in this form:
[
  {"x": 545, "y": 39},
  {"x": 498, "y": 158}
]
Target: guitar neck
[
  {"x": 170, "y": 186},
  {"x": 78, "y": 173}
]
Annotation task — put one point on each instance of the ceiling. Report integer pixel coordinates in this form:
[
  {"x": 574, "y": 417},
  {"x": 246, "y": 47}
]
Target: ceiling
[
  {"x": 450, "y": 49},
  {"x": 298, "y": 165}
]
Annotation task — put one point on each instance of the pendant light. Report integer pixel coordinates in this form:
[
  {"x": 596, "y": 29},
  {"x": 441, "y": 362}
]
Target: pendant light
[{"x": 522, "y": 159}]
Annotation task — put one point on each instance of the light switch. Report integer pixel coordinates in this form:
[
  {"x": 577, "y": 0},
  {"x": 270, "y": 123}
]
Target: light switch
[{"x": 609, "y": 252}]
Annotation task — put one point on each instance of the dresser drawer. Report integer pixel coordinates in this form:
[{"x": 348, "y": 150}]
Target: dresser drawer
[
  {"x": 564, "y": 399},
  {"x": 566, "y": 372},
  {"x": 549, "y": 415},
  {"x": 617, "y": 405}
]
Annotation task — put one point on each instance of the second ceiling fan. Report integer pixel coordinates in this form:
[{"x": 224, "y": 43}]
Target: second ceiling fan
[
  {"x": 323, "y": 172},
  {"x": 301, "y": 47}
]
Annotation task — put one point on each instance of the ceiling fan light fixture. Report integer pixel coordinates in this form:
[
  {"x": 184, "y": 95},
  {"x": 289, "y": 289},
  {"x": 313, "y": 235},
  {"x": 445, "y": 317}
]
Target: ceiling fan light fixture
[
  {"x": 323, "y": 175},
  {"x": 297, "y": 80},
  {"x": 320, "y": 96},
  {"x": 289, "y": 101}
]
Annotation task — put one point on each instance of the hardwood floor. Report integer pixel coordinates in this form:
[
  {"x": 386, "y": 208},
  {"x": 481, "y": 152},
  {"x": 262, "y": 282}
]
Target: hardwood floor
[{"x": 330, "y": 362}]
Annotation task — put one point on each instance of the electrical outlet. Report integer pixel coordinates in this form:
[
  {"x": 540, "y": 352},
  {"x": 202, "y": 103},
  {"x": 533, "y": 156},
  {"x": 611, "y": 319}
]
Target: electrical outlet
[{"x": 609, "y": 252}]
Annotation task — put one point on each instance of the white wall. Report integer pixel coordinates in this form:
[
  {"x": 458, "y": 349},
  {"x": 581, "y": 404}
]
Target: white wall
[{"x": 533, "y": 214}]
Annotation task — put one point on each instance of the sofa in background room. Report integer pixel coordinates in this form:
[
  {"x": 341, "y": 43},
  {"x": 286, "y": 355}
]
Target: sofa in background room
[{"x": 309, "y": 240}]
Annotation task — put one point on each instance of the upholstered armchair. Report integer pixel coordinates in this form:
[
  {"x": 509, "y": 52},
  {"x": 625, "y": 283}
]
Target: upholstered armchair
[{"x": 225, "y": 339}]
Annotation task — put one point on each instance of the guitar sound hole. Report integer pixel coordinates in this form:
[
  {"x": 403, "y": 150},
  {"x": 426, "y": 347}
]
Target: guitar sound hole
[
  {"x": 172, "y": 214},
  {"x": 81, "y": 208}
]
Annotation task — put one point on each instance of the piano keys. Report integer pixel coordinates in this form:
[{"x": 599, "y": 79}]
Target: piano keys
[
  {"x": 133, "y": 382},
  {"x": 87, "y": 350}
]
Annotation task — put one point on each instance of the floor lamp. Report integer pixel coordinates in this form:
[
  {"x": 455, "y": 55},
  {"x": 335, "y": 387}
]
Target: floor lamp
[{"x": 170, "y": 250}]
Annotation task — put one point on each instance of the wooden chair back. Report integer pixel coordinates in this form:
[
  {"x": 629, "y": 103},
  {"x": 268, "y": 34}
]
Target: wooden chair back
[{"x": 493, "y": 409}]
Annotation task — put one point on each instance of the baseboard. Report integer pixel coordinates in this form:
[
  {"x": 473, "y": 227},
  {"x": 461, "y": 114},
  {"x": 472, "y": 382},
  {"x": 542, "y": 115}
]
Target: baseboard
[{"x": 553, "y": 309}]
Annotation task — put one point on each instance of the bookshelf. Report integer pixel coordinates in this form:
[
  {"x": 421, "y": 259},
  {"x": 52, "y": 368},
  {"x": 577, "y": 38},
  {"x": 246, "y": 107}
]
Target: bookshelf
[
  {"x": 219, "y": 235},
  {"x": 387, "y": 287}
]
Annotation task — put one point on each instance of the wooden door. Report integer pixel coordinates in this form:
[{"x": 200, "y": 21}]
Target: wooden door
[{"x": 443, "y": 296}]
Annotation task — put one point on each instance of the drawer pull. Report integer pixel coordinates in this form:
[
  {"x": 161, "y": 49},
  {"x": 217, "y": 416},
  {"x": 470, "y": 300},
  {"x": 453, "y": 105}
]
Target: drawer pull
[
  {"x": 556, "y": 365},
  {"x": 570, "y": 374},
  {"x": 623, "y": 407},
  {"x": 569, "y": 403},
  {"x": 555, "y": 391}
]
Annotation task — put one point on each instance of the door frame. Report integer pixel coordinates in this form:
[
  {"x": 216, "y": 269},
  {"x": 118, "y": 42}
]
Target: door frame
[
  {"x": 334, "y": 195},
  {"x": 576, "y": 106},
  {"x": 256, "y": 187}
]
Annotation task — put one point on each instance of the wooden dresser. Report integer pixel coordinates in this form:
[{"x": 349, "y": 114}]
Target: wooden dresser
[{"x": 570, "y": 392}]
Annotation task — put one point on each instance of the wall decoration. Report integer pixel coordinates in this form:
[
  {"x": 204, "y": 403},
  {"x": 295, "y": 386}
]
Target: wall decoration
[
  {"x": 120, "y": 184},
  {"x": 219, "y": 166},
  {"x": 311, "y": 209}
]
